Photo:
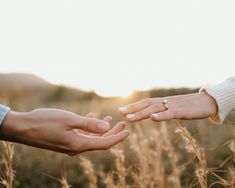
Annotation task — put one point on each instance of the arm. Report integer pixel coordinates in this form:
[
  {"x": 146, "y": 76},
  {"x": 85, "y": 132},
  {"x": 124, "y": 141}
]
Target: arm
[
  {"x": 215, "y": 102},
  {"x": 61, "y": 131}
]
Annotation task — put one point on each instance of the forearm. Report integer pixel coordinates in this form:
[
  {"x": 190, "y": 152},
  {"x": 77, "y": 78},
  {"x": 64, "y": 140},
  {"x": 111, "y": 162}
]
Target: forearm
[{"x": 13, "y": 124}]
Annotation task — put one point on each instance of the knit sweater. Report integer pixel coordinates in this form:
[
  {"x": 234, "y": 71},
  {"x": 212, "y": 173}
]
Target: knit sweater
[{"x": 224, "y": 95}]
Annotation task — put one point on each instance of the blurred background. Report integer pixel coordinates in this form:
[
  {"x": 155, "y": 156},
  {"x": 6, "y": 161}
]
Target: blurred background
[
  {"x": 98, "y": 55},
  {"x": 114, "y": 48}
]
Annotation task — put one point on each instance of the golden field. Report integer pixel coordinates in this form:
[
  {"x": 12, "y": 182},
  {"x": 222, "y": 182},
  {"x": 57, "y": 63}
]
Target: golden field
[{"x": 170, "y": 154}]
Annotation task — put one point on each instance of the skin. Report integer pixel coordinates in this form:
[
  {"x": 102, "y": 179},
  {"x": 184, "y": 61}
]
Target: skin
[
  {"x": 190, "y": 106},
  {"x": 61, "y": 131}
]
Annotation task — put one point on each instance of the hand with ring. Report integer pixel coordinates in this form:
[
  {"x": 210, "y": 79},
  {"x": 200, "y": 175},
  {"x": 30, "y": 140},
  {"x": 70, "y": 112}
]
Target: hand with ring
[{"x": 189, "y": 106}]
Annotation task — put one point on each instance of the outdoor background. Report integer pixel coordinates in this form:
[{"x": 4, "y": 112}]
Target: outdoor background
[{"x": 98, "y": 55}]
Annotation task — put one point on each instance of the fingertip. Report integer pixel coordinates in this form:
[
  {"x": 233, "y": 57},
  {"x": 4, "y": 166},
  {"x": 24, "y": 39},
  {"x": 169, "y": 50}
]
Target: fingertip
[
  {"x": 117, "y": 138},
  {"x": 126, "y": 133},
  {"x": 91, "y": 115},
  {"x": 131, "y": 117},
  {"x": 108, "y": 119},
  {"x": 123, "y": 110},
  {"x": 122, "y": 123},
  {"x": 155, "y": 117},
  {"x": 116, "y": 129},
  {"x": 122, "y": 135},
  {"x": 103, "y": 127}
]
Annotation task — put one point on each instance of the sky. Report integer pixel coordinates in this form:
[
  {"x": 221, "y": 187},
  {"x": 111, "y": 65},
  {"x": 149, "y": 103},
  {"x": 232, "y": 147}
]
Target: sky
[{"x": 116, "y": 47}]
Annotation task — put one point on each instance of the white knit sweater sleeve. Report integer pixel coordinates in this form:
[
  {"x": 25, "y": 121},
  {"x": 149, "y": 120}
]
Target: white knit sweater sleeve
[{"x": 224, "y": 95}]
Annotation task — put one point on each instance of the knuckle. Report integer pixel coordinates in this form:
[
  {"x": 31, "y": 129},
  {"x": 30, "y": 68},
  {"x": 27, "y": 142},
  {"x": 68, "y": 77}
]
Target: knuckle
[
  {"x": 66, "y": 118},
  {"x": 139, "y": 114},
  {"x": 156, "y": 106}
]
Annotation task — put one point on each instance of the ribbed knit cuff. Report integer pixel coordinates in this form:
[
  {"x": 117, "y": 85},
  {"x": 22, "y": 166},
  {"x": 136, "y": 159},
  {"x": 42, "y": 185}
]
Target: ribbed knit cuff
[
  {"x": 3, "y": 112},
  {"x": 224, "y": 95}
]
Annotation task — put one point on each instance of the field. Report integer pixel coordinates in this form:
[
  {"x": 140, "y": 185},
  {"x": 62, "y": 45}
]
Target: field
[{"x": 170, "y": 154}]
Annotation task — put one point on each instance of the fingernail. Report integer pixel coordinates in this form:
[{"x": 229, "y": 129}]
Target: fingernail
[
  {"x": 130, "y": 116},
  {"x": 127, "y": 133},
  {"x": 155, "y": 116},
  {"x": 123, "y": 109},
  {"x": 103, "y": 126}
]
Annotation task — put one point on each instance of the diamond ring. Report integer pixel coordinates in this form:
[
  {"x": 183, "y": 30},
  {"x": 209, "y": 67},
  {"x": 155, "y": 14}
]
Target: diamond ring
[{"x": 165, "y": 104}]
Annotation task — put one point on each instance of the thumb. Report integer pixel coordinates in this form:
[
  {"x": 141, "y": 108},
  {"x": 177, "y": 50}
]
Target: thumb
[
  {"x": 108, "y": 119},
  {"x": 91, "y": 115}
]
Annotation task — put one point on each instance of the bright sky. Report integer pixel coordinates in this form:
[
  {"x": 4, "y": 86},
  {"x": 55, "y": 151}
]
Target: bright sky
[{"x": 115, "y": 47}]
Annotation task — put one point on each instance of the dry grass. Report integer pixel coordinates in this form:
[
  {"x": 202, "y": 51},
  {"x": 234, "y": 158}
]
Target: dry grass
[
  {"x": 232, "y": 169},
  {"x": 200, "y": 162},
  {"x": 7, "y": 164},
  {"x": 148, "y": 160},
  {"x": 153, "y": 158},
  {"x": 89, "y": 172}
]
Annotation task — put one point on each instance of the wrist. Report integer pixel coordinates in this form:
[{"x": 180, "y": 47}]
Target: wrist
[
  {"x": 11, "y": 126},
  {"x": 210, "y": 102}
]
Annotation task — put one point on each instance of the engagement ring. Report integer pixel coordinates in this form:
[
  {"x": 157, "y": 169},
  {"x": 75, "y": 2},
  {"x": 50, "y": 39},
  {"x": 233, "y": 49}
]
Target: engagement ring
[{"x": 165, "y": 104}]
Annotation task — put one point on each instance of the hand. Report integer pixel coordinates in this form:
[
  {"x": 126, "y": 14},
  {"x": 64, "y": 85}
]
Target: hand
[
  {"x": 191, "y": 106},
  {"x": 57, "y": 130}
]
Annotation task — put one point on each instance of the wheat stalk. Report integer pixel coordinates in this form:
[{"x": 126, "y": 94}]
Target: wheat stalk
[
  {"x": 7, "y": 160},
  {"x": 150, "y": 171},
  {"x": 120, "y": 166},
  {"x": 62, "y": 180},
  {"x": 174, "y": 177},
  {"x": 232, "y": 170},
  {"x": 89, "y": 172},
  {"x": 192, "y": 146}
]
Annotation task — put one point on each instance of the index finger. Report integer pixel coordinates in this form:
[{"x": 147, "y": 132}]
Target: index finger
[{"x": 135, "y": 107}]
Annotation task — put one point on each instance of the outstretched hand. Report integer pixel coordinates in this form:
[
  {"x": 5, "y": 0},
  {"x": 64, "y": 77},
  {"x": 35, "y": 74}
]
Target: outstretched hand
[
  {"x": 190, "y": 106},
  {"x": 61, "y": 131}
]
